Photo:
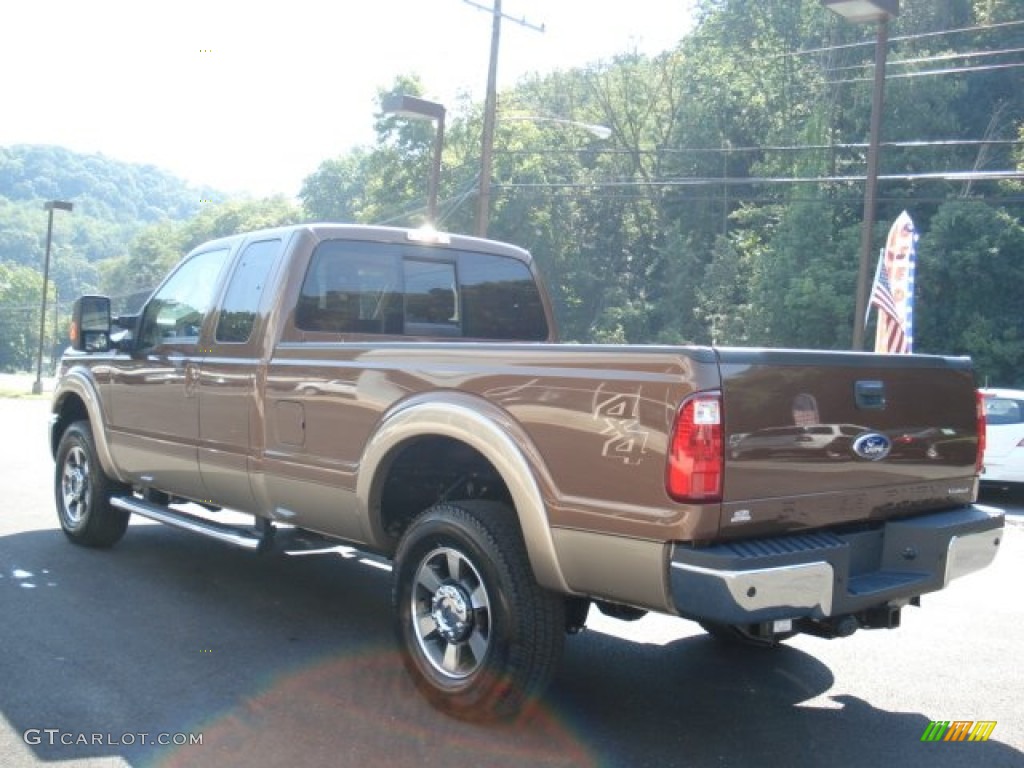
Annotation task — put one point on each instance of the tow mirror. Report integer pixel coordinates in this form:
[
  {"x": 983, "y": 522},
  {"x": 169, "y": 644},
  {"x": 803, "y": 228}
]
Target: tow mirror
[{"x": 90, "y": 324}]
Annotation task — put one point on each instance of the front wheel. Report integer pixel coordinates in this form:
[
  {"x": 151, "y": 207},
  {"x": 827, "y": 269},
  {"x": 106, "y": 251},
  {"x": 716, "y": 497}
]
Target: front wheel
[
  {"x": 83, "y": 491},
  {"x": 480, "y": 638}
]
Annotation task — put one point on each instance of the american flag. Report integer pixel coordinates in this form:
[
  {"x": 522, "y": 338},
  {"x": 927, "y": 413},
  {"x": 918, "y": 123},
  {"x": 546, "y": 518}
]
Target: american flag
[{"x": 893, "y": 332}]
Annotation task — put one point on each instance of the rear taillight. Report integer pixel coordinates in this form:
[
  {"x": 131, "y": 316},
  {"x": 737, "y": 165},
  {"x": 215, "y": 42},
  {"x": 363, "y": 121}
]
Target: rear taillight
[
  {"x": 696, "y": 457},
  {"x": 979, "y": 460}
]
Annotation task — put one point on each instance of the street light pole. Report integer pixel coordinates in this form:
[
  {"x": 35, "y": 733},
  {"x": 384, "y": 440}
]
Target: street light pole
[
  {"x": 435, "y": 170},
  {"x": 49, "y": 206},
  {"x": 417, "y": 108},
  {"x": 871, "y": 187},
  {"x": 857, "y": 12}
]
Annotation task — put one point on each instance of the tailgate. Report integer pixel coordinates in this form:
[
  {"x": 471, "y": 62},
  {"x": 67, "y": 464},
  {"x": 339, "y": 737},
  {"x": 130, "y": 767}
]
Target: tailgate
[{"x": 815, "y": 439}]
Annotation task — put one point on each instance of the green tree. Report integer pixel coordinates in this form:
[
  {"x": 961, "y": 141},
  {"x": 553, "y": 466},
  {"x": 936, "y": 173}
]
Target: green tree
[
  {"x": 969, "y": 302},
  {"x": 151, "y": 254},
  {"x": 722, "y": 300},
  {"x": 131, "y": 276},
  {"x": 336, "y": 190},
  {"x": 20, "y": 294},
  {"x": 237, "y": 216}
]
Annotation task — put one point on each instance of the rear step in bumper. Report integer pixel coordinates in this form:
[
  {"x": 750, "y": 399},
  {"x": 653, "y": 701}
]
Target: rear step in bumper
[
  {"x": 246, "y": 538},
  {"x": 822, "y": 574}
]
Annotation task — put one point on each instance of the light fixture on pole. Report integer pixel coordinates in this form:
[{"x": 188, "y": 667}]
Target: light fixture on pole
[
  {"x": 421, "y": 109},
  {"x": 484, "y": 199},
  {"x": 597, "y": 131},
  {"x": 49, "y": 206},
  {"x": 859, "y": 12}
]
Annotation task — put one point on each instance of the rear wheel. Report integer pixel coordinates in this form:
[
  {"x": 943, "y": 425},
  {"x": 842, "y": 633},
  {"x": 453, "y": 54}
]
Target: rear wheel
[
  {"x": 83, "y": 491},
  {"x": 480, "y": 638}
]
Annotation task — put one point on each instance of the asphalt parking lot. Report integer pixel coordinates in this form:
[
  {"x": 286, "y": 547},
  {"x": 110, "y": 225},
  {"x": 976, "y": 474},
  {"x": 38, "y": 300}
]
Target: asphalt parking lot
[{"x": 288, "y": 660}]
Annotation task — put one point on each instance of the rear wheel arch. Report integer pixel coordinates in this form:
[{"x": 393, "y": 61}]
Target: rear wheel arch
[
  {"x": 489, "y": 435},
  {"x": 427, "y": 470}
]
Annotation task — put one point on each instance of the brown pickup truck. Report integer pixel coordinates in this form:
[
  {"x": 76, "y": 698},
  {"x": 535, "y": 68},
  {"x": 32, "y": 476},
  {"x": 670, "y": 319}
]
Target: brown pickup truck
[{"x": 401, "y": 391}]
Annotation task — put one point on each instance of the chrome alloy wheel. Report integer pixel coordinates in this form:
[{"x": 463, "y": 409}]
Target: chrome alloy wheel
[
  {"x": 74, "y": 485},
  {"x": 451, "y": 613}
]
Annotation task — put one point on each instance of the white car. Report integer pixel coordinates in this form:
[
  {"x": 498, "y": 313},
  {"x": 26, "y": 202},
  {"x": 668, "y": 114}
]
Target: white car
[
  {"x": 833, "y": 441},
  {"x": 1004, "y": 442}
]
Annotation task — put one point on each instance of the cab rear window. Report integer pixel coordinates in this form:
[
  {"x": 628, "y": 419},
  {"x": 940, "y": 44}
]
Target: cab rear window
[{"x": 354, "y": 287}]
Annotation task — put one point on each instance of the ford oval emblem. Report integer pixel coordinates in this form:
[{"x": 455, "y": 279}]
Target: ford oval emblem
[{"x": 872, "y": 446}]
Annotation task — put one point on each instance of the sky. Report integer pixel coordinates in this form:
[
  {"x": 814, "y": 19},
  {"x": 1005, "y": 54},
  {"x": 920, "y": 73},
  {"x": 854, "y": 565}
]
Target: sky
[{"x": 250, "y": 97}]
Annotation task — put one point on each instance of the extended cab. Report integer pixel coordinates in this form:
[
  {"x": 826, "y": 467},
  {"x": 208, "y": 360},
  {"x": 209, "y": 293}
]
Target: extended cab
[{"x": 401, "y": 391}]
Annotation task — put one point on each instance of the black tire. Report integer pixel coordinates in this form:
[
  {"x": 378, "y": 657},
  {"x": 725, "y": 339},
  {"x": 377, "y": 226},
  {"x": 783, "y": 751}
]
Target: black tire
[
  {"x": 480, "y": 638},
  {"x": 740, "y": 635},
  {"x": 83, "y": 491}
]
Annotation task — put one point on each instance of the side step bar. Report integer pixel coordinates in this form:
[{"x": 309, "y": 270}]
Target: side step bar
[{"x": 239, "y": 536}]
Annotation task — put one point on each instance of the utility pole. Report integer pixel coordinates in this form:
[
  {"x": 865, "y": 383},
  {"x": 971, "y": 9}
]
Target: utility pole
[
  {"x": 860, "y": 12},
  {"x": 483, "y": 210},
  {"x": 49, "y": 206}
]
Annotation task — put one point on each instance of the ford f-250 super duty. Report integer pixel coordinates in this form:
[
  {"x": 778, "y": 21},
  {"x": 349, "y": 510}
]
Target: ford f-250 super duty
[{"x": 400, "y": 391}]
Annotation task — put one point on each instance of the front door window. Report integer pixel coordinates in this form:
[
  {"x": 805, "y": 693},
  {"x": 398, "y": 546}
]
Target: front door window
[{"x": 176, "y": 312}]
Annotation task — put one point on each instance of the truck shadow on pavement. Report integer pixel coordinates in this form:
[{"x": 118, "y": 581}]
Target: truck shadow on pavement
[{"x": 287, "y": 660}]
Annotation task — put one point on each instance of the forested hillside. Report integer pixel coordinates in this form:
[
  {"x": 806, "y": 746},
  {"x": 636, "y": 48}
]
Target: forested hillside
[
  {"x": 725, "y": 206},
  {"x": 112, "y": 202},
  {"x": 102, "y": 188}
]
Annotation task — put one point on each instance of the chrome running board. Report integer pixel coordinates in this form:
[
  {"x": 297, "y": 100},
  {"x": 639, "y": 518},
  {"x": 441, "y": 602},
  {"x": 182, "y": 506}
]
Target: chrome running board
[{"x": 239, "y": 536}]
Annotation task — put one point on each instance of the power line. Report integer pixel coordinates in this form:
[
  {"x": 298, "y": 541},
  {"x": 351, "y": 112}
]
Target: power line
[
  {"x": 934, "y": 58},
  {"x": 951, "y": 56},
  {"x": 925, "y": 144},
  {"x": 961, "y": 30},
  {"x": 931, "y": 73},
  {"x": 950, "y": 176},
  {"x": 899, "y": 39},
  {"x": 765, "y": 199}
]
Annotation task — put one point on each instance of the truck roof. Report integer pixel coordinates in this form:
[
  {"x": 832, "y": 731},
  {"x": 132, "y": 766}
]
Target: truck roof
[{"x": 381, "y": 234}]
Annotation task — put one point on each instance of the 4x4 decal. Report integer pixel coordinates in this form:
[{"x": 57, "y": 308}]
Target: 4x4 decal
[{"x": 620, "y": 414}]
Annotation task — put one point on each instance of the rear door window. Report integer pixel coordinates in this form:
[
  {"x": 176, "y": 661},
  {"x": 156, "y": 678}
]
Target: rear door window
[{"x": 242, "y": 300}]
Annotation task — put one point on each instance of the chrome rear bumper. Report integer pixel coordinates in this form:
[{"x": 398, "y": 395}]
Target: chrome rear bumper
[{"x": 822, "y": 574}]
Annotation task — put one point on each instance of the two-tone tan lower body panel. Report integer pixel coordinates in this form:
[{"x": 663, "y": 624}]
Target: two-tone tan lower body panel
[{"x": 629, "y": 571}]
